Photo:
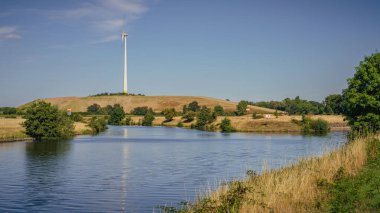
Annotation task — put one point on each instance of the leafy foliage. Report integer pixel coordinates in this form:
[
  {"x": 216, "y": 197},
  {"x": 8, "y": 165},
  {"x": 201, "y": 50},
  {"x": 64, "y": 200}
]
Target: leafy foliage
[
  {"x": 148, "y": 119},
  {"x": 226, "y": 126},
  {"x": 335, "y": 103},
  {"x": 193, "y": 106},
  {"x": 169, "y": 114},
  {"x": 361, "y": 100},
  {"x": 116, "y": 114},
  {"x": 8, "y": 110},
  {"x": 219, "y": 110},
  {"x": 319, "y": 126},
  {"x": 97, "y": 124},
  {"x": 141, "y": 110},
  {"x": 44, "y": 121},
  {"x": 94, "y": 109},
  {"x": 189, "y": 116},
  {"x": 205, "y": 117},
  {"x": 241, "y": 108}
]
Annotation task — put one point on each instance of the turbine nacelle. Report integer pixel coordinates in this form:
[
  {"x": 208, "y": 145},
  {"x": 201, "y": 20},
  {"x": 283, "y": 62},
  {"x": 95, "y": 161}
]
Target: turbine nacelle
[{"x": 124, "y": 35}]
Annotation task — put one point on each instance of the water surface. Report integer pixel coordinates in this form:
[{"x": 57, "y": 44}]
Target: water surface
[{"x": 134, "y": 169}]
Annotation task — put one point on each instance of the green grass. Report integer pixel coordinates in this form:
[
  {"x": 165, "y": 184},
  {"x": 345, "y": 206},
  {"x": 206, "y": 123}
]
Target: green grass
[{"x": 359, "y": 193}]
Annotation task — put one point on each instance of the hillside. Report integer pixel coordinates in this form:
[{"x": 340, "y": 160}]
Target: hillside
[{"x": 157, "y": 103}]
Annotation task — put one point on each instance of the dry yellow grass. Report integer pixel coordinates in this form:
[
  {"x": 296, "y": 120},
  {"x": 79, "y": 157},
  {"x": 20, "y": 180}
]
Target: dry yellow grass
[
  {"x": 248, "y": 124},
  {"x": 11, "y": 129},
  {"x": 157, "y": 103},
  {"x": 294, "y": 188}
]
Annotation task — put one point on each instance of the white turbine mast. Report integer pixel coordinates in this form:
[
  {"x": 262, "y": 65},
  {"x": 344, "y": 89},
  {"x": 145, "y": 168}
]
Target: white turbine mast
[{"x": 124, "y": 36}]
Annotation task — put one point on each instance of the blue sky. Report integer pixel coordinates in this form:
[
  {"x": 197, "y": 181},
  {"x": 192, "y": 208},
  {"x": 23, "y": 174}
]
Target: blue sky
[{"x": 252, "y": 50}]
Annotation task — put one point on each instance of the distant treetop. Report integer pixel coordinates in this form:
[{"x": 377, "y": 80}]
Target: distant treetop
[{"x": 116, "y": 94}]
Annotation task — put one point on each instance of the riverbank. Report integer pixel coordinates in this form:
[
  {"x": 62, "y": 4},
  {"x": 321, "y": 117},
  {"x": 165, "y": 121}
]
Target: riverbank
[
  {"x": 280, "y": 124},
  {"x": 11, "y": 130},
  {"x": 317, "y": 184}
]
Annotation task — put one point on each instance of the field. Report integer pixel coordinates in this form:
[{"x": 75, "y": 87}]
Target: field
[{"x": 157, "y": 103}]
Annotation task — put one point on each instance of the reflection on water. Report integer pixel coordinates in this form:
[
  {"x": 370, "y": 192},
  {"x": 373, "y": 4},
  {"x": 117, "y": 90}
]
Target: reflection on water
[
  {"x": 45, "y": 164},
  {"x": 134, "y": 169}
]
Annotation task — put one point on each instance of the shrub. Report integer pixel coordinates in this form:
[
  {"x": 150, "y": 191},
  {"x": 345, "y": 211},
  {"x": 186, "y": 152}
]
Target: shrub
[
  {"x": 116, "y": 114},
  {"x": 189, "y": 116},
  {"x": 241, "y": 108},
  {"x": 179, "y": 124},
  {"x": 256, "y": 116},
  {"x": 128, "y": 121},
  {"x": 140, "y": 110},
  {"x": 97, "y": 125},
  {"x": 169, "y": 114},
  {"x": 148, "y": 119},
  {"x": 44, "y": 121},
  {"x": 318, "y": 126},
  {"x": 94, "y": 109},
  {"x": 76, "y": 117},
  {"x": 226, "y": 126},
  {"x": 205, "y": 117},
  {"x": 219, "y": 110}
]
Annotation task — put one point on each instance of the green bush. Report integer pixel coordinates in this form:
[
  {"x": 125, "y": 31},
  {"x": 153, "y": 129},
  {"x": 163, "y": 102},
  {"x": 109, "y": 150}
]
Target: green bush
[
  {"x": 169, "y": 114},
  {"x": 226, "y": 126},
  {"x": 148, "y": 119},
  {"x": 8, "y": 110},
  {"x": 141, "y": 110},
  {"x": 97, "y": 125},
  {"x": 319, "y": 126},
  {"x": 116, "y": 114},
  {"x": 205, "y": 117},
  {"x": 219, "y": 110},
  {"x": 44, "y": 122},
  {"x": 189, "y": 116},
  {"x": 241, "y": 108},
  {"x": 76, "y": 117},
  {"x": 179, "y": 124}
]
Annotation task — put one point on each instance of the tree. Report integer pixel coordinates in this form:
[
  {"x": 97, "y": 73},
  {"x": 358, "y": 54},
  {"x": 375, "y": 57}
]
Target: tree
[
  {"x": 219, "y": 110},
  {"x": 169, "y": 114},
  {"x": 205, "y": 117},
  {"x": 148, "y": 119},
  {"x": 226, "y": 126},
  {"x": 8, "y": 110},
  {"x": 194, "y": 106},
  {"x": 97, "y": 125},
  {"x": 333, "y": 103},
  {"x": 94, "y": 109},
  {"x": 361, "y": 100},
  {"x": 189, "y": 116},
  {"x": 116, "y": 114},
  {"x": 140, "y": 110},
  {"x": 44, "y": 121},
  {"x": 241, "y": 108}
]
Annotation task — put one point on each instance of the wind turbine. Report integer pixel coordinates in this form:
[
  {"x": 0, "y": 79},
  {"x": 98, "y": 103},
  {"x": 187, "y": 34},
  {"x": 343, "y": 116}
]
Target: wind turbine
[{"x": 124, "y": 36}]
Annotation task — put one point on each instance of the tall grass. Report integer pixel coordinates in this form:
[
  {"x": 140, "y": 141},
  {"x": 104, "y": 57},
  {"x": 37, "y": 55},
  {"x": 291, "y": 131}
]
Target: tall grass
[{"x": 295, "y": 188}]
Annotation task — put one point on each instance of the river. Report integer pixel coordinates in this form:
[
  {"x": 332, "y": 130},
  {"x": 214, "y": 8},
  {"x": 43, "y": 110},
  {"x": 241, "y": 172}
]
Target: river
[{"x": 134, "y": 169}]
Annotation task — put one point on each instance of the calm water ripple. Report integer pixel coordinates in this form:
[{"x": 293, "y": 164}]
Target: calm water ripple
[{"x": 134, "y": 169}]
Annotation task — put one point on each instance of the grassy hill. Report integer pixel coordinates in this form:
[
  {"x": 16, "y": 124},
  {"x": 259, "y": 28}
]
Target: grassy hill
[{"x": 157, "y": 103}]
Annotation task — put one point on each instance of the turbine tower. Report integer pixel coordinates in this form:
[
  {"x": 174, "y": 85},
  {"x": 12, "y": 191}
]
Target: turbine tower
[{"x": 124, "y": 36}]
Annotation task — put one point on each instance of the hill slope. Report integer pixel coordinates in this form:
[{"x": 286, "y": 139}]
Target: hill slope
[{"x": 157, "y": 103}]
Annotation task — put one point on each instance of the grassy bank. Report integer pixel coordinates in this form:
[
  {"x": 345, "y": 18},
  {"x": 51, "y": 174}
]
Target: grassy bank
[
  {"x": 318, "y": 184},
  {"x": 12, "y": 130},
  {"x": 246, "y": 123}
]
